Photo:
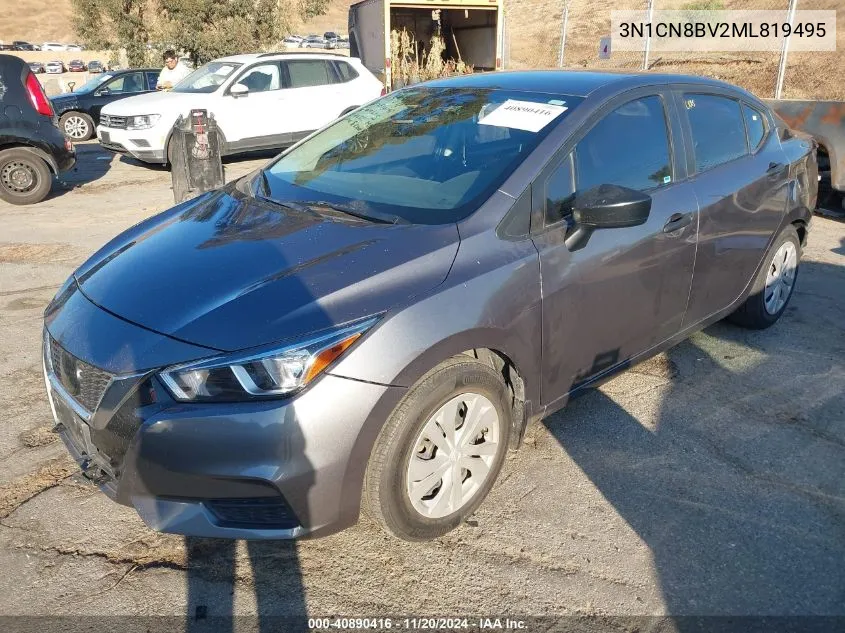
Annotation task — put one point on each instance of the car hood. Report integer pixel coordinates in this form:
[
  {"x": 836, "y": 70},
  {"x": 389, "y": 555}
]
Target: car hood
[
  {"x": 228, "y": 271},
  {"x": 155, "y": 103}
]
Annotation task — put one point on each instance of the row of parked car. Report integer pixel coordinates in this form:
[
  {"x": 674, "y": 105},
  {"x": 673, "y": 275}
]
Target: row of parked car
[
  {"x": 73, "y": 66},
  {"x": 21, "y": 45},
  {"x": 328, "y": 40},
  {"x": 259, "y": 101}
]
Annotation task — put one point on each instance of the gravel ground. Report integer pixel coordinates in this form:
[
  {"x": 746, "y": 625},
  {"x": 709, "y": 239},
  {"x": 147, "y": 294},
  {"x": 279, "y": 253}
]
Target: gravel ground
[{"x": 707, "y": 481}]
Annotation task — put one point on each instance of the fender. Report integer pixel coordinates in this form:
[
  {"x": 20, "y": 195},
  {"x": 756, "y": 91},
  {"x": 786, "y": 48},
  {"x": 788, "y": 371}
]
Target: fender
[{"x": 51, "y": 163}]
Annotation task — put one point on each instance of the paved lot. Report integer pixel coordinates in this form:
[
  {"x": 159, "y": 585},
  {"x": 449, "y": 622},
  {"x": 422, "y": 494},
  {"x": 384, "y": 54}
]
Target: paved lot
[{"x": 710, "y": 480}]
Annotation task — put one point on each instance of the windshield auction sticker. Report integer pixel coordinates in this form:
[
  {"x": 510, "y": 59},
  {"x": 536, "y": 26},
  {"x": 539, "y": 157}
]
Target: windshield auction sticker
[{"x": 523, "y": 115}]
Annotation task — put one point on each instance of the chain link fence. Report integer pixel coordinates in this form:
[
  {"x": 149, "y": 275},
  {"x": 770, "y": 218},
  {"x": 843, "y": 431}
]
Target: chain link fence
[{"x": 568, "y": 34}]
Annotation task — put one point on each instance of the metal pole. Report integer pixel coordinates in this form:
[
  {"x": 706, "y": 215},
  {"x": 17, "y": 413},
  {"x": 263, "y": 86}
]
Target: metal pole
[
  {"x": 650, "y": 10},
  {"x": 563, "y": 33},
  {"x": 784, "y": 51}
]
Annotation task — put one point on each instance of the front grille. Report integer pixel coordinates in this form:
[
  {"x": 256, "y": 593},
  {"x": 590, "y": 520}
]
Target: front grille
[
  {"x": 257, "y": 512},
  {"x": 118, "y": 122},
  {"x": 84, "y": 382}
]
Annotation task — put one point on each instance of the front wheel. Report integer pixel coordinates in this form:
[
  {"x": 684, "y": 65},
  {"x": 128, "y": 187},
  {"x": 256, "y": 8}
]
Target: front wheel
[
  {"x": 774, "y": 284},
  {"x": 24, "y": 177},
  {"x": 440, "y": 452},
  {"x": 77, "y": 125}
]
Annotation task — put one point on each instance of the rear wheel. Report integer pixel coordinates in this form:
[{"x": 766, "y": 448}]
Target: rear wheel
[
  {"x": 440, "y": 452},
  {"x": 24, "y": 177},
  {"x": 77, "y": 126},
  {"x": 774, "y": 284}
]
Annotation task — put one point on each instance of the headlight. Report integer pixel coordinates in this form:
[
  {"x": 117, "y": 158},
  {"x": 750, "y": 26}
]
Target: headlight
[
  {"x": 142, "y": 122},
  {"x": 273, "y": 373}
]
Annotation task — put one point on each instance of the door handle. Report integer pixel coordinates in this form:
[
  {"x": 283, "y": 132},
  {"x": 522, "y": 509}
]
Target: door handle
[{"x": 677, "y": 221}]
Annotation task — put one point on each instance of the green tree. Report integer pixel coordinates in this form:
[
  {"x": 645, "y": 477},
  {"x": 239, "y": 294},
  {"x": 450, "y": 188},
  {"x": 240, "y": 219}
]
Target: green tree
[
  {"x": 213, "y": 28},
  {"x": 115, "y": 24}
]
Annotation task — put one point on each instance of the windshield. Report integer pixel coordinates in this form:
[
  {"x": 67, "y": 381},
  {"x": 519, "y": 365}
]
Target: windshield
[
  {"x": 427, "y": 155},
  {"x": 95, "y": 81},
  {"x": 207, "y": 78}
]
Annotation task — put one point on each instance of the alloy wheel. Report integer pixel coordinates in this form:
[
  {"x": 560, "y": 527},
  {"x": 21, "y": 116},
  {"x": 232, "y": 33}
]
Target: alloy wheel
[{"x": 76, "y": 127}]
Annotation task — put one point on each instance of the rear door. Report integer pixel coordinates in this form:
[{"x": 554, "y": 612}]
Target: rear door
[
  {"x": 311, "y": 98},
  {"x": 740, "y": 176},
  {"x": 626, "y": 290}
]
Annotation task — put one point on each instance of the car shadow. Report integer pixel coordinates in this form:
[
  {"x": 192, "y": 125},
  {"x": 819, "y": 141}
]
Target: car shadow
[
  {"x": 92, "y": 163},
  {"x": 742, "y": 502}
]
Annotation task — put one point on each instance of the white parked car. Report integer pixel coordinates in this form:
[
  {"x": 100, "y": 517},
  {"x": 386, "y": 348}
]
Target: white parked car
[
  {"x": 53, "y": 46},
  {"x": 54, "y": 68},
  {"x": 259, "y": 101}
]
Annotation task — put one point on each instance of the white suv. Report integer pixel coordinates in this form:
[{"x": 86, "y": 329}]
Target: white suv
[{"x": 259, "y": 101}]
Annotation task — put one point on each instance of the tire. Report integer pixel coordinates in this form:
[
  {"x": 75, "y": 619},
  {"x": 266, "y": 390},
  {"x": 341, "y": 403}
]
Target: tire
[
  {"x": 24, "y": 176},
  {"x": 77, "y": 126},
  {"x": 785, "y": 254},
  {"x": 459, "y": 385}
]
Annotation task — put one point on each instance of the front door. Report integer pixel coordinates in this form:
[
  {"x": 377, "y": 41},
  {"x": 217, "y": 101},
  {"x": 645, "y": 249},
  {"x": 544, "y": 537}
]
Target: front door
[
  {"x": 252, "y": 120},
  {"x": 626, "y": 290},
  {"x": 122, "y": 86}
]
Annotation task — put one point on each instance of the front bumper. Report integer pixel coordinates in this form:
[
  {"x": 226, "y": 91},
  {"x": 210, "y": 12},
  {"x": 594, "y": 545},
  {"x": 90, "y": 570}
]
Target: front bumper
[
  {"x": 258, "y": 470},
  {"x": 145, "y": 145}
]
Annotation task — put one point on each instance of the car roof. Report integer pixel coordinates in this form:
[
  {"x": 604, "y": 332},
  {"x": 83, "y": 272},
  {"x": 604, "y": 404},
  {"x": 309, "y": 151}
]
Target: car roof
[
  {"x": 571, "y": 82},
  {"x": 248, "y": 57}
]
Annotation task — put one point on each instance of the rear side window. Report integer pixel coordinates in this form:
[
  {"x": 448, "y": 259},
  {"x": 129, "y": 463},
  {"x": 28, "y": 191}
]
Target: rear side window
[
  {"x": 629, "y": 147},
  {"x": 755, "y": 123},
  {"x": 344, "y": 72},
  {"x": 306, "y": 72},
  {"x": 718, "y": 133}
]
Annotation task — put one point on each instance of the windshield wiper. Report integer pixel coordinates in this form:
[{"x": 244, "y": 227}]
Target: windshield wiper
[{"x": 371, "y": 215}]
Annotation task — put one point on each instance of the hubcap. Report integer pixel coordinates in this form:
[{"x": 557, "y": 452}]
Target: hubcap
[
  {"x": 76, "y": 127},
  {"x": 18, "y": 177},
  {"x": 781, "y": 278},
  {"x": 453, "y": 455}
]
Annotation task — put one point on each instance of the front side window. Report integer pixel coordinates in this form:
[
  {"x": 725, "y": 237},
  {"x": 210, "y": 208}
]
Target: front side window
[
  {"x": 629, "y": 147},
  {"x": 131, "y": 82},
  {"x": 560, "y": 192},
  {"x": 718, "y": 133},
  {"x": 262, "y": 78},
  {"x": 207, "y": 78},
  {"x": 428, "y": 155}
]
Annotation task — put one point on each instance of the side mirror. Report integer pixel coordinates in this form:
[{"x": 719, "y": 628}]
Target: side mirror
[
  {"x": 606, "y": 207},
  {"x": 238, "y": 90},
  {"x": 102, "y": 92}
]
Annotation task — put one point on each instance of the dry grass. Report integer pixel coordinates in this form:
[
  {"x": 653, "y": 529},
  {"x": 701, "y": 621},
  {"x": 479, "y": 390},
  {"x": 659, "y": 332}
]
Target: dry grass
[
  {"x": 20, "y": 490},
  {"x": 534, "y": 36}
]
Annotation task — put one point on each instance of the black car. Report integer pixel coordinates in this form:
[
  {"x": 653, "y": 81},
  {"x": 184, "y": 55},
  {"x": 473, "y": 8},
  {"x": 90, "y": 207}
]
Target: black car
[
  {"x": 20, "y": 45},
  {"x": 36, "y": 67},
  {"x": 32, "y": 148},
  {"x": 79, "y": 111},
  {"x": 95, "y": 66}
]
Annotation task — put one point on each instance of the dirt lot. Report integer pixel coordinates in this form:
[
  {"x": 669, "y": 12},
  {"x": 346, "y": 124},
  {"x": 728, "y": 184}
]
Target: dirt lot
[{"x": 710, "y": 480}]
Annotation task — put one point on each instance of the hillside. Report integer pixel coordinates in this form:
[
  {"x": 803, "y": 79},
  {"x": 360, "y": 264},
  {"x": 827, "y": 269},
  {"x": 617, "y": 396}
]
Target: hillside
[{"x": 533, "y": 34}]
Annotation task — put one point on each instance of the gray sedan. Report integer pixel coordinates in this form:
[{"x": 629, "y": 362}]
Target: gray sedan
[{"x": 372, "y": 320}]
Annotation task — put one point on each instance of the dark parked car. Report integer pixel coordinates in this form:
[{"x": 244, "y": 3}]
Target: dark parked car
[
  {"x": 36, "y": 67},
  {"x": 79, "y": 111},
  {"x": 32, "y": 149},
  {"x": 76, "y": 66},
  {"x": 373, "y": 318},
  {"x": 20, "y": 45},
  {"x": 96, "y": 66}
]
